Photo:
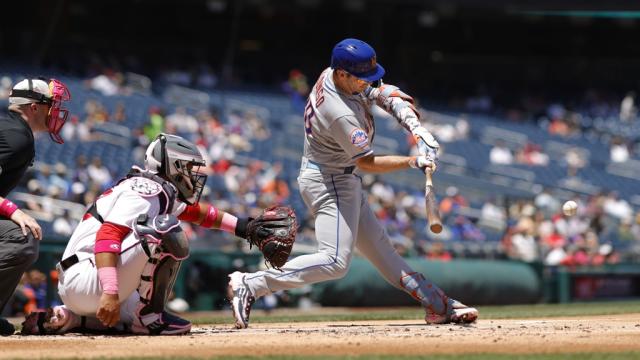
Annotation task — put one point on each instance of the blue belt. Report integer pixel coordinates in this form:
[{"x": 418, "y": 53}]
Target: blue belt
[{"x": 315, "y": 166}]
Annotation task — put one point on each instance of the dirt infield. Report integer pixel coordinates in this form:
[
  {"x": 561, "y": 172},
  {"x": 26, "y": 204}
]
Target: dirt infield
[{"x": 410, "y": 337}]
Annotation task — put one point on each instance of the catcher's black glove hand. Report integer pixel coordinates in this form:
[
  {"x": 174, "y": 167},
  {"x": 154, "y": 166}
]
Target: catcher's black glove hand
[{"x": 273, "y": 232}]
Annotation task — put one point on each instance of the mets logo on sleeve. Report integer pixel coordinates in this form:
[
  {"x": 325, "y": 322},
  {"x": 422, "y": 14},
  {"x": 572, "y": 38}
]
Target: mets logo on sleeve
[{"x": 359, "y": 138}]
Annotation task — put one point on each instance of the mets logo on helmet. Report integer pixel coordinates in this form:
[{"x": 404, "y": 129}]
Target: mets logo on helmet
[{"x": 359, "y": 138}]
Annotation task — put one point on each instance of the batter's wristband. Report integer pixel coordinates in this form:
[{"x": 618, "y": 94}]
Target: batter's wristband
[
  {"x": 7, "y": 208},
  {"x": 241, "y": 227}
]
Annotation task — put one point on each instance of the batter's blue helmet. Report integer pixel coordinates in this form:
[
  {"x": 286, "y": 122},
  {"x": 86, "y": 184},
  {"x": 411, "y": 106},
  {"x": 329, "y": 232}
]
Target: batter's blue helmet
[{"x": 358, "y": 59}]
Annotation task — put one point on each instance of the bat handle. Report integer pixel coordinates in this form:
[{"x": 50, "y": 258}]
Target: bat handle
[{"x": 428, "y": 174}]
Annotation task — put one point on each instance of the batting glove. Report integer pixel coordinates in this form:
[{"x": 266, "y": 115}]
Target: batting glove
[
  {"x": 427, "y": 144},
  {"x": 423, "y": 162}
]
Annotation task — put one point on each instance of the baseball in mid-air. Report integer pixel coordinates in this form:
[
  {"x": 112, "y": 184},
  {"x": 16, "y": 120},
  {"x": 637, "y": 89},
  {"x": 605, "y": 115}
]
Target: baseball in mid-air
[{"x": 570, "y": 208}]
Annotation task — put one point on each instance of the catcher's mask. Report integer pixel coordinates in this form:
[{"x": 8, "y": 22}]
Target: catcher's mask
[
  {"x": 52, "y": 93},
  {"x": 178, "y": 161}
]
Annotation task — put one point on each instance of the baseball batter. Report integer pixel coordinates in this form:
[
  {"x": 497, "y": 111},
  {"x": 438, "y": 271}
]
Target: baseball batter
[
  {"x": 122, "y": 260},
  {"x": 339, "y": 130}
]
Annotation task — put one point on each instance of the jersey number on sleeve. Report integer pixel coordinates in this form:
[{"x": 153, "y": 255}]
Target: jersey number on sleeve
[{"x": 308, "y": 115}]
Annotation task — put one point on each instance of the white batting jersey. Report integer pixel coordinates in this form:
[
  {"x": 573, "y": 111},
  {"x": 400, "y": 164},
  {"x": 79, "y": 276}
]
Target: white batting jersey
[
  {"x": 339, "y": 128},
  {"x": 121, "y": 205}
]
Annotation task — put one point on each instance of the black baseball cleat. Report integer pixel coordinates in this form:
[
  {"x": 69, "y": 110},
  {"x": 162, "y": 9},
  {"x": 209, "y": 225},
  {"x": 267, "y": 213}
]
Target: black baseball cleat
[
  {"x": 6, "y": 328},
  {"x": 241, "y": 299}
]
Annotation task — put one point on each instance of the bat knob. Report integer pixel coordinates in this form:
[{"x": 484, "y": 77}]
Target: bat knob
[{"x": 436, "y": 228}]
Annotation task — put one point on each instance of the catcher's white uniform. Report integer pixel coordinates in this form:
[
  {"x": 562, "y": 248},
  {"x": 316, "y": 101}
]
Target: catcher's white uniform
[{"x": 78, "y": 285}]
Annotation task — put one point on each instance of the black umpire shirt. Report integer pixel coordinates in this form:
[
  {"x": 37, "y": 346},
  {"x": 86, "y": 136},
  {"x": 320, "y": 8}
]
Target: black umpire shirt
[{"x": 17, "y": 150}]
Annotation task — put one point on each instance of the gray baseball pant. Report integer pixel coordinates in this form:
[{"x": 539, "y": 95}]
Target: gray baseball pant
[
  {"x": 17, "y": 253},
  {"x": 343, "y": 219}
]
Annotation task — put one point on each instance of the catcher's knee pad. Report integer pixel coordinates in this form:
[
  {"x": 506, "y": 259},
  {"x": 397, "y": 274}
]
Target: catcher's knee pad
[
  {"x": 162, "y": 232},
  {"x": 426, "y": 292},
  {"x": 167, "y": 246}
]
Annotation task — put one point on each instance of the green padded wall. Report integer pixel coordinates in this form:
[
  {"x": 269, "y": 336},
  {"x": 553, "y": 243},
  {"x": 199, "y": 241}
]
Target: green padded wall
[{"x": 474, "y": 282}]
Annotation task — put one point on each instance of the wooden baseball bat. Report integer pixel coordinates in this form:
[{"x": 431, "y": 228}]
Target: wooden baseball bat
[{"x": 433, "y": 215}]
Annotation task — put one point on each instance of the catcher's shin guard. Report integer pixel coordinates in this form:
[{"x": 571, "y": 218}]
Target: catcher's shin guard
[
  {"x": 439, "y": 308},
  {"x": 159, "y": 276}
]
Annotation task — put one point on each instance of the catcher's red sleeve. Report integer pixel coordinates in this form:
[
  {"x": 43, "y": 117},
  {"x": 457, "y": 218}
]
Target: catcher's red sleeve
[
  {"x": 190, "y": 214},
  {"x": 109, "y": 237}
]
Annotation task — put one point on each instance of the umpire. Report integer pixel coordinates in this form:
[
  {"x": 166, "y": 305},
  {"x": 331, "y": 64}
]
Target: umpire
[{"x": 35, "y": 105}]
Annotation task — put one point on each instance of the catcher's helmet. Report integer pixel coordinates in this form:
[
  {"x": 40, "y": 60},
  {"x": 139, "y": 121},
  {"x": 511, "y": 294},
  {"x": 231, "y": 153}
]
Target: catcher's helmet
[
  {"x": 178, "y": 161},
  {"x": 358, "y": 59}
]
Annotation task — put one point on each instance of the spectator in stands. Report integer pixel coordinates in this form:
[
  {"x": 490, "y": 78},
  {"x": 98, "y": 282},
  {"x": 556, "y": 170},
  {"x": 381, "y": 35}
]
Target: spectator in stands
[
  {"x": 616, "y": 207},
  {"x": 556, "y": 255},
  {"x": 546, "y": 202},
  {"x": 437, "y": 251},
  {"x": 558, "y": 126},
  {"x": 575, "y": 160},
  {"x": 35, "y": 189},
  {"x": 500, "y": 154},
  {"x": 95, "y": 111},
  {"x": 37, "y": 284},
  {"x": 257, "y": 128},
  {"x": 5, "y": 87},
  {"x": 521, "y": 244},
  {"x": 205, "y": 77},
  {"x": 606, "y": 255},
  {"x": 69, "y": 131},
  {"x": 480, "y": 102},
  {"x": 108, "y": 83},
  {"x": 553, "y": 241},
  {"x": 98, "y": 173},
  {"x": 277, "y": 189},
  {"x": 297, "y": 87},
  {"x": 619, "y": 151},
  {"x": 42, "y": 175},
  {"x": 65, "y": 224},
  {"x": 183, "y": 123},
  {"x": 492, "y": 214},
  {"x": 532, "y": 155},
  {"x": 80, "y": 171},
  {"x": 628, "y": 108},
  {"x": 59, "y": 179},
  {"x": 452, "y": 202},
  {"x": 156, "y": 123},
  {"x": 120, "y": 113},
  {"x": 464, "y": 230}
]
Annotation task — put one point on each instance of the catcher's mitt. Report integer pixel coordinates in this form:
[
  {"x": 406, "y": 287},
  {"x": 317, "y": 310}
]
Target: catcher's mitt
[{"x": 274, "y": 232}]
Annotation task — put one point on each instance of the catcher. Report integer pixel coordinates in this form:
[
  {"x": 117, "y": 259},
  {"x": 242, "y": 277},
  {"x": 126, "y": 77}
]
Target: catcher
[{"x": 123, "y": 258}]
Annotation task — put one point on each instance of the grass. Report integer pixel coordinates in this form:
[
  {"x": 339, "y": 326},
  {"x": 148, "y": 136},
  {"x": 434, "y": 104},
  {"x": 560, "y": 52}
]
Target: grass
[{"x": 415, "y": 313}]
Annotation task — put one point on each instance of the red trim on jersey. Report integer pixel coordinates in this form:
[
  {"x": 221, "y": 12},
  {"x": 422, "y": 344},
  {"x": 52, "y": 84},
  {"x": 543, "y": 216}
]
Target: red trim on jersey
[
  {"x": 109, "y": 237},
  {"x": 191, "y": 213}
]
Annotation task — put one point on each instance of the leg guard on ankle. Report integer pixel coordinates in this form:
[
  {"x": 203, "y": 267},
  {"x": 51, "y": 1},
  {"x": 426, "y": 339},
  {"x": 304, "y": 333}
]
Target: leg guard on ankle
[{"x": 426, "y": 292}]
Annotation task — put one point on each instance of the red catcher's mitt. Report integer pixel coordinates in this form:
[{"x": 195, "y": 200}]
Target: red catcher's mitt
[{"x": 274, "y": 232}]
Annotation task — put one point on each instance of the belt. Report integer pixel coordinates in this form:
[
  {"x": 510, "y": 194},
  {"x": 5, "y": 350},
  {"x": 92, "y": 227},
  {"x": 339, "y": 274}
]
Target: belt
[
  {"x": 68, "y": 262},
  {"x": 315, "y": 166}
]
